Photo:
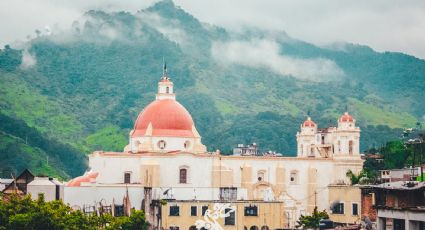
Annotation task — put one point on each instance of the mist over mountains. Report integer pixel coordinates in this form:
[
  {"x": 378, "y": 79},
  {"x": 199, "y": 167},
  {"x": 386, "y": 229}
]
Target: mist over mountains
[{"x": 83, "y": 87}]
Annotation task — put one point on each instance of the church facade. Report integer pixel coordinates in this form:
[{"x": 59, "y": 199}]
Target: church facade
[{"x": 167, "y": 171}]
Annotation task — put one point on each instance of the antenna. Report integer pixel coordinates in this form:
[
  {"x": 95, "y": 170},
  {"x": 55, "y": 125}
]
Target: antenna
[{"x": 164, "y": 65}]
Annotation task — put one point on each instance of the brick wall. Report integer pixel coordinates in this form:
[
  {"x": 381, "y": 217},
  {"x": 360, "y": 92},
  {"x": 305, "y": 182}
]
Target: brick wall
[{"x": 367, "y": 206}]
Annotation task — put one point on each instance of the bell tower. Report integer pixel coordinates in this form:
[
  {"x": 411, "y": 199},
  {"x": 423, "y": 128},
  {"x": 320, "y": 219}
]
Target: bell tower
[{"x": 165, "y": 86}]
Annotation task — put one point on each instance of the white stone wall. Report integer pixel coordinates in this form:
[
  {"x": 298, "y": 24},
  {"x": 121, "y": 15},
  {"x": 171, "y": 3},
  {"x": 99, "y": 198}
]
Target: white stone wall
[
  {"x": 112, "y": 168},
  {"x": 92, "y": 195},
  {"x": 49, "y": 191}
]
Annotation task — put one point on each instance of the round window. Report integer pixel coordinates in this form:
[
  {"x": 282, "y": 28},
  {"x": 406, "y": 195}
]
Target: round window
[
  {"x": 162, "y": 144},
  {"x": 187, "y": 144}
]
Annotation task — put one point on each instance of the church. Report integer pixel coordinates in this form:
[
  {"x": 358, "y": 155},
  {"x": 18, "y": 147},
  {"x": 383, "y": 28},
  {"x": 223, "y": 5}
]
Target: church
[{"x": 167, "y": 171}]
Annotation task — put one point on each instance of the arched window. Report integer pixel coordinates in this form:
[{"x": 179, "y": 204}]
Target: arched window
[
  {"x": 127, "y": 177},
  {"x": 183, "y": 176},
  {"x": 350, "y": 147},
  {"x": 265, "y": 227},
  {"x": 253, "y": 228},
  {"x": 162, "y": 144},
  {"x": 260, "y": 175},
  {"x": 167, "y": 90},
  {"x": 293, "y": 177}
]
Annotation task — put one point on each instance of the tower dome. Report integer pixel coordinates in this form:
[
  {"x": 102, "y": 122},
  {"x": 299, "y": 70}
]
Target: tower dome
[
  {"x": 309, "y": 123},
  {"x": 346, "y": 117}
]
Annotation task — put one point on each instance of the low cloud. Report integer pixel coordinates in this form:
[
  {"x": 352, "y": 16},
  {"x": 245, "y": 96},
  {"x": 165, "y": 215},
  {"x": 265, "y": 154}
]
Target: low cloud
[
  {"x": 28, "y": 60},
  {"x": 171, "y": 29},
  {"x": 267, "y": 54}
]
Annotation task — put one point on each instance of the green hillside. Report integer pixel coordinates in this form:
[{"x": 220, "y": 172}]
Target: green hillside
[
  {"x": 23, "y": 147},
  {"x": 87, "y": 85}
]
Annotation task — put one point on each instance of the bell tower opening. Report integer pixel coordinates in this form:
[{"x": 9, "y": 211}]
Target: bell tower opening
[{"x": 165, "y": 86}]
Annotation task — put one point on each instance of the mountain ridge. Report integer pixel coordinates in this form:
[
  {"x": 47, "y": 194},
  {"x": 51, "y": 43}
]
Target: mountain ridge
[{"x": 100, "y": 74}]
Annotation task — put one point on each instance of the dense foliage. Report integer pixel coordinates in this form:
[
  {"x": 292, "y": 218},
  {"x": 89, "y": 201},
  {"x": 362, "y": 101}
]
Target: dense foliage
[
  {"x": 15, "y": 136},
  {"x": 312, "y": 221},
  {"x": 84, "y": 87},
  {"x": 396, "y": 155},
  {"x": 23, "y": 213}
]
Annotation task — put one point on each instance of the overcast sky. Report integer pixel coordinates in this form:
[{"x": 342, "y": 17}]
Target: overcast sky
[{"x": 383, "y": 25}]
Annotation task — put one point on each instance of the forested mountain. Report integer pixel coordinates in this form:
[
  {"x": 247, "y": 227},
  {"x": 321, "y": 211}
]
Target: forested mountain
[{"x": 83, "y": 87}]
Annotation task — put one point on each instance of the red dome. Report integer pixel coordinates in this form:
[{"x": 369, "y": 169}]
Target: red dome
[
  {"x": 85, "y": 178},
  {"x": 309, "y": 123},
  {"x": 346, "y": 118},
  {"x": 168, "y": 118}
]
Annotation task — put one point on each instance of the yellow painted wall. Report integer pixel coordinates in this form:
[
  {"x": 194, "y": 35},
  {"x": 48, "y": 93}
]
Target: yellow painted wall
[
  {"x": 347, "y": 194},
  {"x": 150, "y": 174},
  {"x": 270, "y": 214}
]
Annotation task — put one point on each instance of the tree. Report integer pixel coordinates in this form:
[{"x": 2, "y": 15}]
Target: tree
[
  {"x": 363, "y": 177},
  {"x": 312, "y": 221},
  {"x": 23, "y": 213}
]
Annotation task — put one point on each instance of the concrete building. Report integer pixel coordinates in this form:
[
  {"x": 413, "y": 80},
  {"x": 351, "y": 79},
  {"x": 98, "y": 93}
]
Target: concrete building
[
  {"x": 246, "y": 150},
  {"x": 345, "y": 204},
  {"x": 247, "y": 215},
  {"x": 397, "y": 205},
  {"x": 394, "y": 175},
  {"x": 51, "y": 188},
  {"x": 166, "y": 160}
]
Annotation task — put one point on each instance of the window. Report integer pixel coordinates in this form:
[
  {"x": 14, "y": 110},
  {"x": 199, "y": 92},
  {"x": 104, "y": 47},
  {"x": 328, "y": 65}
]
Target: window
[
  {"x": 127, "y": 178},
  {"x": 251, "y": 211},
  {"x": 253, "y": 228},
  {"x": 265, "y": 227},
  {"x": 229, "y": 220},
  {"x": 323, "y": 139},
  {"x": 174, "y": 228},
  {"x": 338, "y": 208},
  {"x": 193, "y": 227},
  {"x": 174, "y": 210},
  {"x": 204, "y": 209},
  {"x": 228, "y": 193},
  {"x": 355, "y": 209},
  {"x": 119, "y": 210},
  {"x": 350, "y": 147},
  {"x": 167, "y": 90},
  {"x": 260, "y": 175},
  {"x": 183, "y": 176},
  {"x": 193, "y": 210},
  {"x": 162, "y": 144},
  {"x": 293, "y": 177},
  {"x": 187, "y": 144}
]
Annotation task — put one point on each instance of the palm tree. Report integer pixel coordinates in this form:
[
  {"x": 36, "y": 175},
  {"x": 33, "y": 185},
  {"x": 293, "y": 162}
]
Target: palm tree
[{"x": 362, "y": 178}]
